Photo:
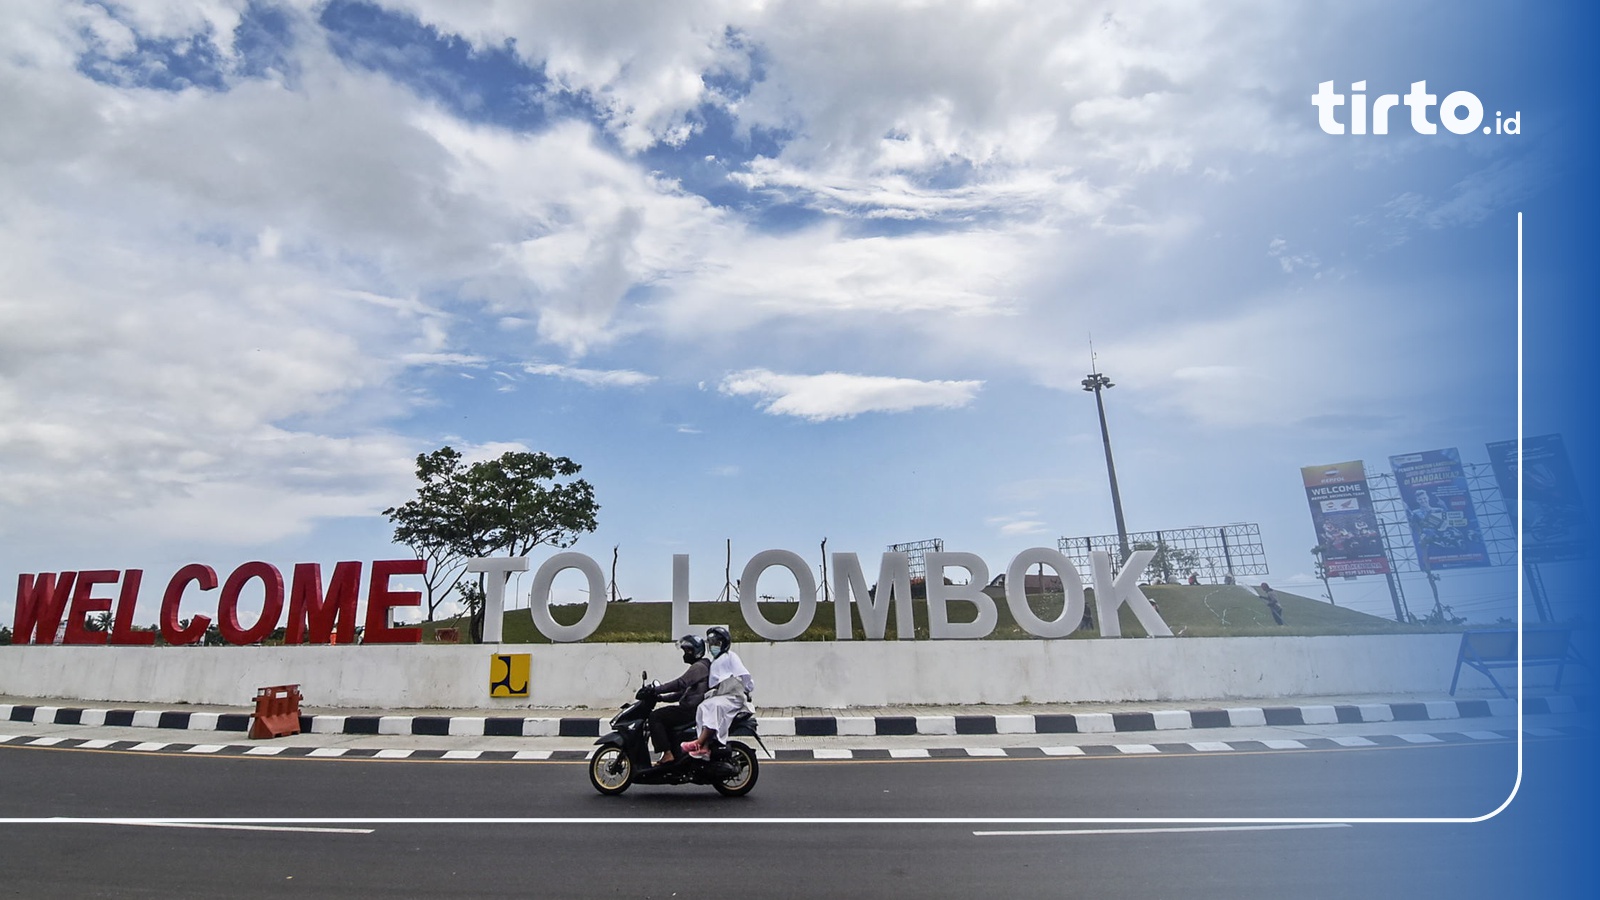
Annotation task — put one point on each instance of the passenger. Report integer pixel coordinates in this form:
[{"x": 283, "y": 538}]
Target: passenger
[
  {"x": 731, "y": 686},
  {"x": 688, "y": 690}
]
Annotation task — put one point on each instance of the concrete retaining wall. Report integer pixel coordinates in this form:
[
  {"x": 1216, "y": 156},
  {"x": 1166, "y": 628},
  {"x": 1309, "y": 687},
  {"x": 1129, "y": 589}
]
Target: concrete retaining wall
[{"x": 803, "y": 674}]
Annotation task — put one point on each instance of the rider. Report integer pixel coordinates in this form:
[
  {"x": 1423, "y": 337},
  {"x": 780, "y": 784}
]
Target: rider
[
  {"x": 731, "y": 686},
  {"x": 688, "y": 690}
]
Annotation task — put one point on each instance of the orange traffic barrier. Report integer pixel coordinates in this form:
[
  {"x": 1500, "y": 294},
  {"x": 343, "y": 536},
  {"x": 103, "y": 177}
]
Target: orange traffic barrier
[{"x": 277, "y": 712}]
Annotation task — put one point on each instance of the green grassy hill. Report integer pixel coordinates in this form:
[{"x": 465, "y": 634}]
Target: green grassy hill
[{"x": 1191, "y": 611}]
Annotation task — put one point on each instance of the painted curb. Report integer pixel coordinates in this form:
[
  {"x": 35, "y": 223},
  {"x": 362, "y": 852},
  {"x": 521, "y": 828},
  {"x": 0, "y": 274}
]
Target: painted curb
[
  {"x": 282, "y": 751},
  {"x": 825, "y": 726}
]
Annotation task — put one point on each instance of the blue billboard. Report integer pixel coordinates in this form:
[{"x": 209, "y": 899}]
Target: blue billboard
[{"x": 1444, "y": 526}]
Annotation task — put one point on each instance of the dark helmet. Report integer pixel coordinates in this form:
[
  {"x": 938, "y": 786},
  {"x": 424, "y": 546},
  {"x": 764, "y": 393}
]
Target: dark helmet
[
  {"x": 718, "y": 640},
  {"x": 693, "y": 648}
]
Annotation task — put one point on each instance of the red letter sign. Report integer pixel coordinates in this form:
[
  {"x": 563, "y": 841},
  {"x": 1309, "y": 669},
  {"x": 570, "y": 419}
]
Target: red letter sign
[
  {"x": 170, "y": 632},
  {"x": 40, "y": 601},
  {"x": 83, "y": 604},
  {"x": 330, "y": 621},
  {"x": 271, "y": 605},
  {"x": 380, "y": 600}
]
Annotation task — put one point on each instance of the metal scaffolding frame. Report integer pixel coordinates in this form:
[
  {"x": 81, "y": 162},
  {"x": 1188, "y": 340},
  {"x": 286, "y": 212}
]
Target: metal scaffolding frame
[
  {"x": 916, "y": 552},
  {"x": 1495, "y": 524},
  {"x": 1223, "y": 550}
]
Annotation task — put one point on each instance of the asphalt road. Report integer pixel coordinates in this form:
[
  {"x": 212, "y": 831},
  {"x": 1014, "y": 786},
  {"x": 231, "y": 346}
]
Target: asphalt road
[{"x": 638, "y": 846}]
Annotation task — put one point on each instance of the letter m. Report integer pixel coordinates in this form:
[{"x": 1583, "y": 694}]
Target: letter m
[
  {"x": 41, "y": 600},
  {"x": 894, "y": 587},
  {"x": 330, "y": 619}
]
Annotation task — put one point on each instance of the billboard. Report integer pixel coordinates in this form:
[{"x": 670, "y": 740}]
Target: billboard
[
  {"x": 1444, "y": 526},
  {"x": 1341, "y": 512},
  {"x": 1554, "y": 525}
]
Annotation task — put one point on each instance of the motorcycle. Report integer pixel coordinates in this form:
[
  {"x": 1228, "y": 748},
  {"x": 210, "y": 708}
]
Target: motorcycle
[{"x": 622, "y": 758}]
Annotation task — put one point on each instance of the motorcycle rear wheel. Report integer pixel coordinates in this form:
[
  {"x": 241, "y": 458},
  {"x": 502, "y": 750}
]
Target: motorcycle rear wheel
[
  {"x": 746, "y": 770},
  {"x": 610, "y": 770}
]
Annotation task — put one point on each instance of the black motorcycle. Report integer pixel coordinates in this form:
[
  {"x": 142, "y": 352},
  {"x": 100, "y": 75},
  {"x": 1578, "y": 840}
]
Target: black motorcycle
[{"x": 623, "y": 756}]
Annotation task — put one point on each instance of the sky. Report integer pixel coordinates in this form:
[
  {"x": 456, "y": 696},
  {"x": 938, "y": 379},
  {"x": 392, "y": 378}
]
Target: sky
[{"x": 772, "y": 272}]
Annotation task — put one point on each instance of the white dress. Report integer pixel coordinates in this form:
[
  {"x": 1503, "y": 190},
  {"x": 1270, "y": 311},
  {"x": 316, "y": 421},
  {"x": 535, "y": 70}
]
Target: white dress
[{"x": 730, "y": 688}]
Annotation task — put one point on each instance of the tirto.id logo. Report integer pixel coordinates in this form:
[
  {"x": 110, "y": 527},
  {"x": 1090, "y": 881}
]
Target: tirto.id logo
[{"x": 1461, "y": 112}]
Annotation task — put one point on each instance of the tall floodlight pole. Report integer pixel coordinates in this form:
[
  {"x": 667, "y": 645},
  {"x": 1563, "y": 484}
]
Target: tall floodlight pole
[{"x": 1096, "y": 382}]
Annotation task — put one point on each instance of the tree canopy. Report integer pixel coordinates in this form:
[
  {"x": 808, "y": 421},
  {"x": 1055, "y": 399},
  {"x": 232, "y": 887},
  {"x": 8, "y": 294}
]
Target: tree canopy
[{"x": 507, "y": 505}]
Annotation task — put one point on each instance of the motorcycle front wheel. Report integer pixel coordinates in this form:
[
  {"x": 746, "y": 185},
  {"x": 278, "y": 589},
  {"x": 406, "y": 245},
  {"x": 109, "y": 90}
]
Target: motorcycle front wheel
[
  {"x": 745, "y": 771},
  {"x": 610, "y": 770}
]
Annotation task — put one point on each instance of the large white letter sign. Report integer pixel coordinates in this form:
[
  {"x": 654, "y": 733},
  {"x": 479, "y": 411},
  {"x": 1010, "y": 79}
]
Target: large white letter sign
[
  {"x": 806, "y": 607},
  {"x": 894, "y": 583},
  {"x": 539, "y": 598},
  {"x": 940, "y": 594},
  {"x": 680, "y": 598},
  {"x": 499, "y": 568},
  {"x": 1017, "y": 593},
  {"x": 1110, "y": 593}
]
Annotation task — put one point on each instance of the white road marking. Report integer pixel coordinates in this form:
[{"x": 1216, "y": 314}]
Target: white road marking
[
  {"x": 145, "y": 823},
  {"x": 1076, "y": 832}
]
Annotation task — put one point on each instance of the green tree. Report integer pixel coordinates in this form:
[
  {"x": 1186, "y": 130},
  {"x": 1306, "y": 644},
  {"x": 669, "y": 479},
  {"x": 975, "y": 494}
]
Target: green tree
[
  {"x": 1169, "y": 563},
  {"x": 506, "y": 506},
  {"x": 434, "y": 523}
]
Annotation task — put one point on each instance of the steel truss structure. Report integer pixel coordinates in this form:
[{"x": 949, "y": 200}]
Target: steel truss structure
[
  {"x": 1220, "y": 550},
  {"x": 916, "y": 552}
]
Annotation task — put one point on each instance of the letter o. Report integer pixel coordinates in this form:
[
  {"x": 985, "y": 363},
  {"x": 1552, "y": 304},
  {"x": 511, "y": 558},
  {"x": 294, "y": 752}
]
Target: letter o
[
  {"x": 806, "y": 608},
  {"x": 271, "y": 606},
  {"x": 539, "y": 598},
  {"x": 1017, "y": 593},
  {"x": 1457, "y": 101}
]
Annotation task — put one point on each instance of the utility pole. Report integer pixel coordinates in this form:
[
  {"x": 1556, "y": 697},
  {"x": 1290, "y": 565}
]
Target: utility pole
[{"x": 1095, "y": 383}]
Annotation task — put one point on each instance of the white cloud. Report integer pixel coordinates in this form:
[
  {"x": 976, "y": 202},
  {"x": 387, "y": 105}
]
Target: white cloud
[
  {"x": 836, "y": 395},
  {"x": 592, "y": 377},
  {"x": 1019, "y": 524},
  {"x": 213, "y": 300}
]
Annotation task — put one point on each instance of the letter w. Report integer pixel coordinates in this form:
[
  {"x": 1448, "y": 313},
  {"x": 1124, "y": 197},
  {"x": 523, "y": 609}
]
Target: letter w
[
  {"x": 328, "y": 620},
  {"x": 40, "y": 603}
]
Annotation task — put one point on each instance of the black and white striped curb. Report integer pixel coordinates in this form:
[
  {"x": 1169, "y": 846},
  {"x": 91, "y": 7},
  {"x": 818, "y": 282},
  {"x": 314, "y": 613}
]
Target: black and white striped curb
[
  {"x": 827, "y": 726},
  {"x": 805, "y": 755}
]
